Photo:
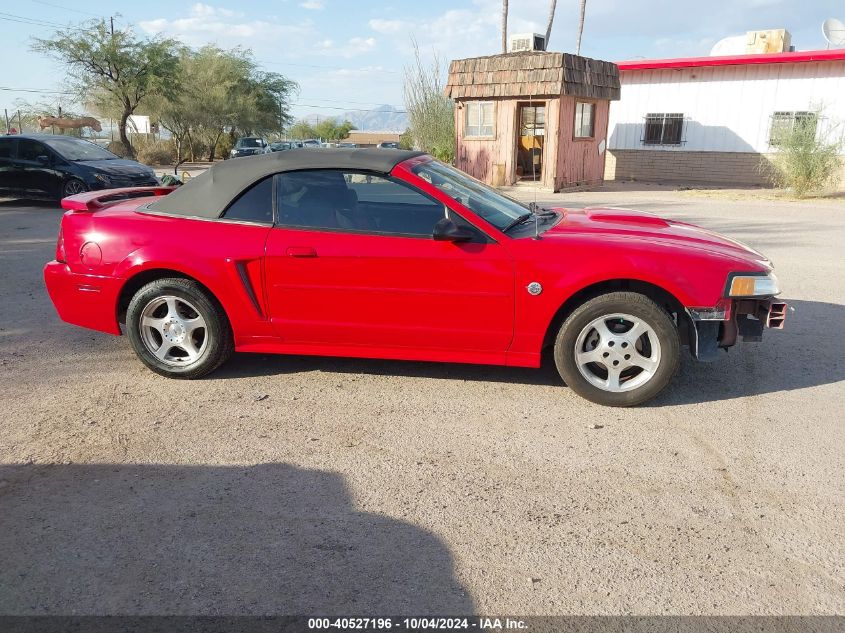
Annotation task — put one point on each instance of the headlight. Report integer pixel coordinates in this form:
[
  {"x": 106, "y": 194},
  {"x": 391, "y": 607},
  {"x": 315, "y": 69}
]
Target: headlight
[
  {"x": 103, "y": 179},
  {"x": 753, "y": 286}
]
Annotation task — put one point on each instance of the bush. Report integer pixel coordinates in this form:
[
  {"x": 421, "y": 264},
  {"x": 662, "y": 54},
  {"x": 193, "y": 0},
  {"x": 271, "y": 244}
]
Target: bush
[
  {"x": 156, "y": 153},
  {"x": 116, "y": 147},
  {"x": 224, "y": 146},
  {"x": 808, "y": 159},
  {"x": 430, "y": 113}
]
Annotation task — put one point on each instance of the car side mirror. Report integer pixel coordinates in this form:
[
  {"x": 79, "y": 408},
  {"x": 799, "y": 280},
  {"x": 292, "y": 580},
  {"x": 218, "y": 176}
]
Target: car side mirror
[
  {"x": 447, "y": 231},
  {"x": 43, "y": 159}
]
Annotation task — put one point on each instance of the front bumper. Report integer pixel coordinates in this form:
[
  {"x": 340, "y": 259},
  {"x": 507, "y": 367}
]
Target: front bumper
[
  {"x": 746, "y": 318},
  {"x": 86, "y": 300}
]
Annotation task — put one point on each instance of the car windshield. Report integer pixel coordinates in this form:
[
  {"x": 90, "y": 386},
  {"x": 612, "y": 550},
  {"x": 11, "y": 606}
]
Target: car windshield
[
  {"x": 248, "y": 142},
  {"x": 76, "y": 149},
  {"x": 497, "y": 209}
]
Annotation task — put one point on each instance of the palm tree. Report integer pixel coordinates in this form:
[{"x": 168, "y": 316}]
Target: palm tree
[
  {"x": 552, "y": 7},
  {"x": 504, "y": 26},
  {"x": 580, "y": 27}
]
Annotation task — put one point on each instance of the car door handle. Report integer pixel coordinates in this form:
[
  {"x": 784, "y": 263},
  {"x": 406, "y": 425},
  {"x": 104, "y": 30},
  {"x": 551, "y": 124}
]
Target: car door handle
[{"x": 301, "y": 251}]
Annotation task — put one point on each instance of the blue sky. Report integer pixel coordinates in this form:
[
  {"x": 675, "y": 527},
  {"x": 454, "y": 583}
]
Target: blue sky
[{"x": 350, "y": 54}]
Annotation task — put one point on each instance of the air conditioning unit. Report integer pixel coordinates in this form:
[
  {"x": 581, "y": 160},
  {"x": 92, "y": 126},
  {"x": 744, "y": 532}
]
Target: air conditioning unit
[
  {"x": 767, "y": 41},
  {"x": 527, "y": 42}
]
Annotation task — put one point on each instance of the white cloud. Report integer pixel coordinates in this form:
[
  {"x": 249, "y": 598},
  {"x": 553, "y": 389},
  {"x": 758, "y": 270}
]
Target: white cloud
[
  {"x": 389, "y": 27},
  {"x": 351, "y": 48},
  {"x": 200, "y": 9},
  {"x": 314, "y": 5},
  {"x": 207, "y": 24}
]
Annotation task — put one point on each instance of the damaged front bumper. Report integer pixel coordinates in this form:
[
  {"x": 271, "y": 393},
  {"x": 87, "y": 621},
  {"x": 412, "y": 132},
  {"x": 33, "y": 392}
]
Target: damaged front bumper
[{"x": 719, "y": 327}]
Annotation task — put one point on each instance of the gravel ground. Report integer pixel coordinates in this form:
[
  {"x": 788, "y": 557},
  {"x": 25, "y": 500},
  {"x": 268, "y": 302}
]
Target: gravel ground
[{"x": 305, "y": 485}]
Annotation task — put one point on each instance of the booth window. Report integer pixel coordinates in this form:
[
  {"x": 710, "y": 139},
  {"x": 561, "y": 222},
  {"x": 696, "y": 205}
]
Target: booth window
[
  {"x": 479, "y": 119},
  {"x": 585, "y": 114}
]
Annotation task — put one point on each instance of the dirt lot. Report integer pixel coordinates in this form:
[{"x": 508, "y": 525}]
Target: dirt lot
[{"x": 375, "y": 487}]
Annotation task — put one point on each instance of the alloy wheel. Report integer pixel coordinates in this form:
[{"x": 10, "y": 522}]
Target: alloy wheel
[
  {"x": 73, "y": 187},
  {"x": 617, "y": 352},
  {"x": 173, "y": 330}
]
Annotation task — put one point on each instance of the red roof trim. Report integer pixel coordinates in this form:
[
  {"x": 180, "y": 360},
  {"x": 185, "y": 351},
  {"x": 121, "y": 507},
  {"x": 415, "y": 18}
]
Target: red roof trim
[{"x": 735, "y": 60}]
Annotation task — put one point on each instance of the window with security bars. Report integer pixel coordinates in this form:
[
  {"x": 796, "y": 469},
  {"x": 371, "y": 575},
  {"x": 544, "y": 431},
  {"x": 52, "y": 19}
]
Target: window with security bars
[
  {"x": 479, "y": 119},
  {"x": 664, "y": 129},
  {"x": 785, "y": 123}
]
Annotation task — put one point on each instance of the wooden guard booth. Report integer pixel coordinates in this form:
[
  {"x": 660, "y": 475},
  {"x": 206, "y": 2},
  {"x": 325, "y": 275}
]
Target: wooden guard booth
[{"x": 532, "y": 116}]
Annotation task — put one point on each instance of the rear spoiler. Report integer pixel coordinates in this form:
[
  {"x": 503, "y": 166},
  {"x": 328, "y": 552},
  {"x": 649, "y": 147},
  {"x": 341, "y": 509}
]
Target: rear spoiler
[{"x": 93, "y": 201}]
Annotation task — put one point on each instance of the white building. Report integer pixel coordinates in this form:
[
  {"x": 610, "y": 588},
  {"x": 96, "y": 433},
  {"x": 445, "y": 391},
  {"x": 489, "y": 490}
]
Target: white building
[{"x": 712, "y": 119}]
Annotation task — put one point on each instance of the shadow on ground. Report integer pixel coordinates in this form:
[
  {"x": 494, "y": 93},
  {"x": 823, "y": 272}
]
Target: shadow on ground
[
  {"x": 794, "y": 358},
  {"x": 162, "y": 539}
]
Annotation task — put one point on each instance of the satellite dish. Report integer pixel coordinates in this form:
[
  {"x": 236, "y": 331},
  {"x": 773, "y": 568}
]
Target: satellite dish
[
  {"x": 734, "y": 45},
  {"x": 834, "y": 32}
]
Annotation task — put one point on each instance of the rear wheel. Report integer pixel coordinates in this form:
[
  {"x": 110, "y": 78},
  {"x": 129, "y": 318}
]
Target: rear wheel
[
  {"x": 619, "y": 349},
  {"x": 177, "y": 329}
]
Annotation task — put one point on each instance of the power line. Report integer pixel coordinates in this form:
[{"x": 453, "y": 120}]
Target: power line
[
  {"x": 11, "y": 17},
  {"x": 380, "y": 70},
  {"x": 322, "y": 107},
  {"x": 41, "y": 90},
  {"x": 58, "y": 6},
  {"x": 376, "y": 103}
]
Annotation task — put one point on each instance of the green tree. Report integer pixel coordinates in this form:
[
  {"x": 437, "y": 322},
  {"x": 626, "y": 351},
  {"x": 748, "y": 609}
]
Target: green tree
[
  {"x": 431, "y": 114},
  {"x": 331, "y": 130},
  {"x": 119, "y": 68},
  {"x": 222, "y": 91},
  {"x": 302, "y": 130}
]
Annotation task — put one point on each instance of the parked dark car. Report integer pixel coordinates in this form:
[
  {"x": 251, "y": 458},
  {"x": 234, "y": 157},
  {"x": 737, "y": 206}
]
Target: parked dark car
[
  {"x": 248, "y": 146},
  {"x": 388, "y": 145},
  {"x": 52, "y": 167},
  {"x": 279, "y": 146}
]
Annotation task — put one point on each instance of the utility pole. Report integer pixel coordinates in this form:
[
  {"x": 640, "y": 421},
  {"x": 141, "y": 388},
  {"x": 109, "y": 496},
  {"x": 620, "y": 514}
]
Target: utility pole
[
  {"x": 6, "y": 112},
  {"x": 580, "y": 27},
  {"x": 111, "y": 20}
]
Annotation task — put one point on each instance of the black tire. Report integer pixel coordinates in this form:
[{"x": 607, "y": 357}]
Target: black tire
[
  {"x": 217, "y": 343},
  {"x": 73, "y": 186},
  {"x": 629, "y": 303}
]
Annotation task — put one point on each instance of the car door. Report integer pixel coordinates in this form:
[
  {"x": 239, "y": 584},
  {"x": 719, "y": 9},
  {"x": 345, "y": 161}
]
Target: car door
[
  {"x": 352, "y": 262},
  {"x": 8, "y": 179},
  {"x": 36, "y": 172}
]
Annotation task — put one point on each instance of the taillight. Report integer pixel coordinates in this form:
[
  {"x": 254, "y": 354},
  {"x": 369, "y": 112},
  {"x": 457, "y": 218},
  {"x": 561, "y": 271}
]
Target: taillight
[{"x": 60, "y": 248}]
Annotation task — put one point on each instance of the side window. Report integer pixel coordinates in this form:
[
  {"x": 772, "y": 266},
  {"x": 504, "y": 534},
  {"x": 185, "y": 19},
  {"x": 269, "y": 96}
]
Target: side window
[
  {"x": 253, "y": 205},
  {"x": 5, "y": 148},
  {"x": 30, "y": 150},
  {"x": 345, "y": 200}
]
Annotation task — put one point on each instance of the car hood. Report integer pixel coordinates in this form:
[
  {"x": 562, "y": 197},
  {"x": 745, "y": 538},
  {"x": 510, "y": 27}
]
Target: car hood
[
  {"x": 116, "y": 167},
  {"x": 628, "y": 224}
]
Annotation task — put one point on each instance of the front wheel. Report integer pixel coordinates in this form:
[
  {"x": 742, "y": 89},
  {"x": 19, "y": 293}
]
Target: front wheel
[
  {"x": 619, "y": 349},
  {"x": 177, "y": 329},
  {"x": 73, "y": 186}
]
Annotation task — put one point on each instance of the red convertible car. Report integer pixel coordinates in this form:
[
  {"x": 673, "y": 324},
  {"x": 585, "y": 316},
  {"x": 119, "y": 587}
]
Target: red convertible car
[{"x": 391, "y": 254}]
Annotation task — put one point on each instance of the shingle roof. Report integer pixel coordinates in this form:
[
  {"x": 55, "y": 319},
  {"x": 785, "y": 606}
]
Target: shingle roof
[{"x": 532, "y": 74}]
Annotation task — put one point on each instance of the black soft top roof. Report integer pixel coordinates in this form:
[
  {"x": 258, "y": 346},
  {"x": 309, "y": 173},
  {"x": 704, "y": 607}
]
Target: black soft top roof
[{"x": 208, "y": 195}]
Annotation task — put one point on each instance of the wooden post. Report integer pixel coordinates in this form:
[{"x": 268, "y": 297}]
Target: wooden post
[
  {"x": 6, "y": 112},
  {"x": 20, "y": 123}
]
